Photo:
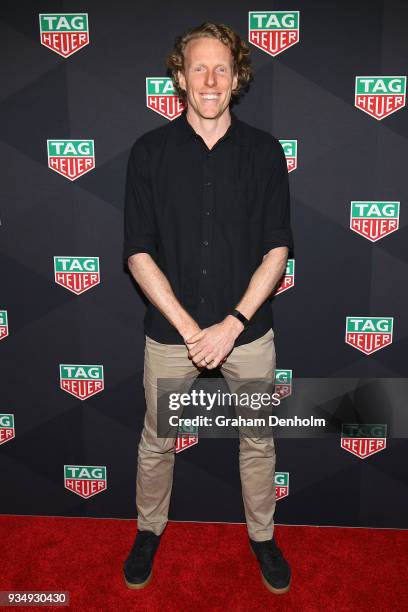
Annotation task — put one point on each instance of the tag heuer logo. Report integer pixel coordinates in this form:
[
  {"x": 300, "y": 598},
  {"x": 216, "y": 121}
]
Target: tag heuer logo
[
  {"x": 162, "y": 97},
  {"x": 82, "y": 381},
  {"x": 290, "y": 150},
  {"x": 374, "y": 220},
  {"x": 369, "y": 334},
  {"x": 288, "y": 279},
  {"x": 186, "y": 437},
  {"x": 85, "y": 480},
  {"x": 64, "y": 33},
  {"x": 7, "y": 431},
  {"x": 77, "y": 274},
  {"x": 71, "y": 158},
  {"x": 281, "y": 484},
  {"x": 379, "y": 96},
  {"x": 363, "y": 440},
  {"x": 273, "y": 31},
  {"x": 283, "y": 383},
  {"x": 4, "y": 329}
]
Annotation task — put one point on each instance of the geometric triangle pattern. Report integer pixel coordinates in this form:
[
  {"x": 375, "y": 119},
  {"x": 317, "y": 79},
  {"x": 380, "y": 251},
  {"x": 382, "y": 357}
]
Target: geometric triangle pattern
[{"x": 97, "y": 95}]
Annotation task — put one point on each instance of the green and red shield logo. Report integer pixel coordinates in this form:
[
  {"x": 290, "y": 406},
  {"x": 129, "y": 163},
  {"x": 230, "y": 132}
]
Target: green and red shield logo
[
  {"x": 162, "y": 98},
  {"x": 380, "y": 96},
  {"x": 77, "y": 274},
  {"x": 186, "y": 437},
  {"x": 369, "y": 334},
  {"x": 363, "y": 440},
  {"x": 273, "y": 31},
  {"x": 288, "y": 279},
  {"x": 64, "y": 33},
  {"x": 7, "y": 430},
  {"x": 283, "y": 382},
  {"x": 71, "y": 158},
  {"x": 82, "y": 381},
  {"x": 290, "y": 150},
  {"x": 4, "y": 328},
  {"x": 85, "y": 480},
  {"x": 281, "y": 484},
  {"x": 374, "y": 220}
]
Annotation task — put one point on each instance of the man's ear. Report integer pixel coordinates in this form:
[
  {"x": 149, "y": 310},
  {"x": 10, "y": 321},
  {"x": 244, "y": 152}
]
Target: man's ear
[
  {"x": 181, "y": 80},
  {"x": 235, "y": 81}
]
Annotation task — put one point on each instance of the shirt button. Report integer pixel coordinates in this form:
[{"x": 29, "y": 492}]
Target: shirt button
[
  {"x": 207, "y": 212},
  {"x": 205, "y": 242},
  {"x": 202, "y": 300},
  {"x": 204, "y": 271},
  {"x": 208, "y": 184}
]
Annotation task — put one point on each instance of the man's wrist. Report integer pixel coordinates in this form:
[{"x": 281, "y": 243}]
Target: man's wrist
[
  {"x": 241, "y": 317},
  {"x": 234, "y": 324},
  {"x": 188, "y": 329}
]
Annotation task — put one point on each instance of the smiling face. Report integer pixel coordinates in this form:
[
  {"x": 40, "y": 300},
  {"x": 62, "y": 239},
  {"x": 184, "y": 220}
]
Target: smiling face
[{"x": 208, "y": 77}]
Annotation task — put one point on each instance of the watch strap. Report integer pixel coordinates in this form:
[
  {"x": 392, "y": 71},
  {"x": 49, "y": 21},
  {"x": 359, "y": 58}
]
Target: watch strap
[{"x": 241, "y": 317}]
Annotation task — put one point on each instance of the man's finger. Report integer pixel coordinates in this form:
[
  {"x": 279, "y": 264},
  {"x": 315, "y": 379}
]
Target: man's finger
[
  {"x": 213, "y": 360},
  {"x": 199, "y": 357},
  {"x": 213, "y": 364},
  {"x": 195, "y": 337},
  {"x": 198, "y": 350}
]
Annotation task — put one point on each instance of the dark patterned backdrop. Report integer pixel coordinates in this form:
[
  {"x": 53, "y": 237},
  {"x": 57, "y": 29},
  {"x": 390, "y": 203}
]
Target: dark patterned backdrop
[{"x": 98, "y": 93}]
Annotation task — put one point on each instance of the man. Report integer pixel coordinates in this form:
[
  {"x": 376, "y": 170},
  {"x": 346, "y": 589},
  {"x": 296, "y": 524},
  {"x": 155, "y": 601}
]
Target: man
[{"x": 207, "y": 234}]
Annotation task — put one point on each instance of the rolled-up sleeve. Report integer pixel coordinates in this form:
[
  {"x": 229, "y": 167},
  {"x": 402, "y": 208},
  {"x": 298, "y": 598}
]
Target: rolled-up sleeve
[
  {"x": 277, "y": 221},
  {"x": 140, "y": 233}
]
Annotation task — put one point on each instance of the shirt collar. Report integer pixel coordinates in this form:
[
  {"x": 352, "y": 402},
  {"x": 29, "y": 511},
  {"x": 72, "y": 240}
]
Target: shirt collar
[{"x": 185, "y": 131}]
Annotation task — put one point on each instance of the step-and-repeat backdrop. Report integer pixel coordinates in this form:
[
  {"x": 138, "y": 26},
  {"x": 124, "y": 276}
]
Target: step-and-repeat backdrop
[{"x": 78, "y": 89}]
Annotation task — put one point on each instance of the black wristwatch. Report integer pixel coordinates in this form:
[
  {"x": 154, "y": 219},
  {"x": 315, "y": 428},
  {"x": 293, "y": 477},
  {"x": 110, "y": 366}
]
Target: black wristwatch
[{"x": 240, "y": 316}]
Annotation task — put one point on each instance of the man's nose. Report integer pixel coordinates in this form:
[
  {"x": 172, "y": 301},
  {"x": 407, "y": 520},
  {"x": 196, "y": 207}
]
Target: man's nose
[{"x": 210, "y": 80}]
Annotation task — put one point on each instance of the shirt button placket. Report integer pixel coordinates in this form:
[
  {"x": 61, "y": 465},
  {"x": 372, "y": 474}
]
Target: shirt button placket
[{"x": 206, "y": 220}]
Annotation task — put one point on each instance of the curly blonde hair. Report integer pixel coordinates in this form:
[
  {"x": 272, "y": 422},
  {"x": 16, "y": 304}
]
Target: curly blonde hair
[{"x": 239, "y": 50}]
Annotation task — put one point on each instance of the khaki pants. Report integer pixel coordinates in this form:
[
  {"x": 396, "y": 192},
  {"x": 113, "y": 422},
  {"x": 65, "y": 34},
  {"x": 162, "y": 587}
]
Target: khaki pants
[{"x": 156, "y": 456}]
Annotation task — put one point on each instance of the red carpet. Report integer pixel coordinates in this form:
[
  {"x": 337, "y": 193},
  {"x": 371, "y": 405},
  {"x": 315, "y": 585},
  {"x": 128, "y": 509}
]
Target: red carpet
[{"x": 206, "y": 567}]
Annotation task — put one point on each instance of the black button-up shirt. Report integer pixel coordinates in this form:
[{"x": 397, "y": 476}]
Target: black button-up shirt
[{"x": 207, "y": 217}]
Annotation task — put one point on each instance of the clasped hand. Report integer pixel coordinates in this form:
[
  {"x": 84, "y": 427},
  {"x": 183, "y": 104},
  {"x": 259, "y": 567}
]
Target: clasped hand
[{"x": 211, "y": 346}]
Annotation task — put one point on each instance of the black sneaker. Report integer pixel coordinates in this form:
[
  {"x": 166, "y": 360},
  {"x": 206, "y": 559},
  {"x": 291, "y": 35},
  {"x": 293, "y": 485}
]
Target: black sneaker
[
  {"x": 138, "y": 567},
  {"x": 274, "y": 567}
]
